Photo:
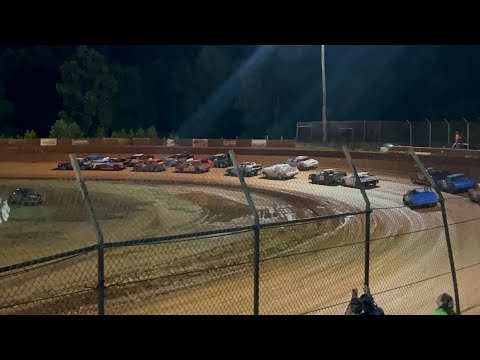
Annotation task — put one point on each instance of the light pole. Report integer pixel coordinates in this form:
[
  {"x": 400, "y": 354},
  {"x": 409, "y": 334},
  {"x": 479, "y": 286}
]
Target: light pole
[
  {"x": 448, "y": 132},
  {"x": 324, "y": 89},
  {"x": 468, "y": 133},
  {"x": 429, "y": 132}
]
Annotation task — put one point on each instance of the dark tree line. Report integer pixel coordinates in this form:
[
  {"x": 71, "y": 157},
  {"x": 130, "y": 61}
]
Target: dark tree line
[{"x": 227, "y": 91}]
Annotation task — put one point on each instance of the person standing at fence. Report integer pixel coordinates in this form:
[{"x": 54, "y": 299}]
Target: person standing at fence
[
  {"x": 370, "y": 307},
  {"x": 365, "y": 305},
  {"x": 458, "y": 137},
  {"x": 445, "y": 305},
  {"x": 355, "y": 306}
]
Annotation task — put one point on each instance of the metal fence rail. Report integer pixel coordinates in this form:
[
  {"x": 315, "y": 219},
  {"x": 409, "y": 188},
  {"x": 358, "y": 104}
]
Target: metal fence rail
[{"x": 420, "y": 132}]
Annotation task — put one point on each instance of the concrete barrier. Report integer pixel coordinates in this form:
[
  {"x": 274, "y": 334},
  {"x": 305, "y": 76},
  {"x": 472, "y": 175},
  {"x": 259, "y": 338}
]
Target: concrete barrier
[
  {"x": 215, "y": 142},
  {"x": 244, "y": 143},
  {"x": 184, "y": 142},
  {"x": 281, "y": 143},
  {"x": 141, "y": 141}
]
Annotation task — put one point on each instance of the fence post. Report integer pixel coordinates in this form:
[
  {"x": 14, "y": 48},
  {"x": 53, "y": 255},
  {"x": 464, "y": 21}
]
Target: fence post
[
  {"x": 368, "y": 211},
  {"x": 448, "y": 132},
  {"x": 441, "y": 200},
  {"x": 468, "y": 133},
  {"x": 98, "y": 232},
  {"x": 429, "y": 132},
  {"x": 410, "y": 125},
  {"x": 256, "y": 234},
  {"x": 364, "y": 131}
]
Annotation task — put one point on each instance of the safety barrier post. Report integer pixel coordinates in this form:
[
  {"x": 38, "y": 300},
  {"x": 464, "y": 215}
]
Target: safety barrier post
[
  {"x": 368, "y": 211},
  {"x": 256, "y": 236},
  {"x": 98, "y": 232},
  {"x": 441, "y": 200}
]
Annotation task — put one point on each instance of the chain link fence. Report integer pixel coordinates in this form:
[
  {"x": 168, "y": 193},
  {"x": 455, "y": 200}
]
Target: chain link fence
[
  {"x": 215, "y": 244},
  {"x": 370, "y": 134}
]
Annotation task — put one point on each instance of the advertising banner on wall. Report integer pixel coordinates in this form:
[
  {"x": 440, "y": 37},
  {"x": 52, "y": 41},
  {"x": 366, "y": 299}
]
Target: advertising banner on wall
[
  {"x": 259, "y": 143},
  {"x": 48, "y": 142},
  {"x": 200, "y": 143},
  {"x": 80, "y": 141},
  {"x": 229, "y": 143}
]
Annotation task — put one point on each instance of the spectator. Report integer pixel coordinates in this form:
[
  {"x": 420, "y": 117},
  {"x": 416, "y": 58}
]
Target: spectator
[
  {"x": 370, "y": 307},
  {"x": 445, "y": 305},
  {"x": 355, "y": 307},
  {"x": 458, "y": 137},
  {"x": 365, "y": 305}
]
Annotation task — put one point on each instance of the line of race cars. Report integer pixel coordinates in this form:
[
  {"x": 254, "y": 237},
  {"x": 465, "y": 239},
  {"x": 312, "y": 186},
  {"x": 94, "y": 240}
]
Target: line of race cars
[{"x": 185, "y": 163}]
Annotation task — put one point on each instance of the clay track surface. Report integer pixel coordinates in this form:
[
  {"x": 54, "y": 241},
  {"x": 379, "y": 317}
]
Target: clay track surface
[{"x": 406, "y": 270}]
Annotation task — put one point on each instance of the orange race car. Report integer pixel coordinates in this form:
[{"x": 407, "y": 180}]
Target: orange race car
[{"x": 194, "y": 167}]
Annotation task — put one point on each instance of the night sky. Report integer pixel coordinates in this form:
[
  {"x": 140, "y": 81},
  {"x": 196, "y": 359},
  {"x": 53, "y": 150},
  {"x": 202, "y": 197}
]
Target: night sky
[{"x": 388, "y": 82}]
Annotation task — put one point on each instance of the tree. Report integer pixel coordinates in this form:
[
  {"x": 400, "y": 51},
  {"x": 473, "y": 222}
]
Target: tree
[
  {"x": 87, "y": 90},
  {"x": 30, "y": 134},
  {"x": 120, "y": 134},
  {"x": 62, "y": 129},
  {"x": 140, "y": 133},
  {"x": 152, "y": 132},
  {"x": 100, "y": 133}
]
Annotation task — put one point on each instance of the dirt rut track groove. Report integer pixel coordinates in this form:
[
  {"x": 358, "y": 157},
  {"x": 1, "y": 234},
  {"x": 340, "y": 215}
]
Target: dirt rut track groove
[{"x": 395, "y": 261}]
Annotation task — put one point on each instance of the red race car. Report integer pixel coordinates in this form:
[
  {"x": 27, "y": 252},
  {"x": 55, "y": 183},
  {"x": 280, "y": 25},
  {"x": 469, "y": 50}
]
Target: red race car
[{"x": 193, "y": 167}]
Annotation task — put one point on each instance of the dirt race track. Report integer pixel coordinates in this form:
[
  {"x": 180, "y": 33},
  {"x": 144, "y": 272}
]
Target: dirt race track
[{"x": 409, "y": 262}]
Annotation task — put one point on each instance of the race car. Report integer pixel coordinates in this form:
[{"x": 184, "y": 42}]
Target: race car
[
  {"x": 436, "y": 174},
  {"x": 219, "y": 160},
  {"x": 302, "y": 163},
  {"x": 385, "y": 148},
  {"x": 137, "y": 159},
  {"x": 245, "y": 171},
  {"x": 67, "y": 165},
  {"x": 369, "y": 180},
  {"x": 85, "y": 163},
  {"x": 110, "y": 164},
  {"x": 474, "y": 195},
  {"x": 26, "y": 197},
  {"x": 457, "y": 183},
  {"x": 181, "y": 158},
  {"x": 251, "y": 165},
  {"x": 327, "y": 177},
  {"x": 193, "y": 167},
  {"x": 149, "y": 166},
  {"x": 280, "y": 172},
  {"x": 420, "y": 197},
  {"x": 93, "y": 158},
  {"x": 4, "y": 211}
]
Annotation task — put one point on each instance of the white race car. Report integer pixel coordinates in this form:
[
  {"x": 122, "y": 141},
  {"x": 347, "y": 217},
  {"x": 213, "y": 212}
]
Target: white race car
[
  {"x": 280, "y": 171},
  {"x": 302, "y": 163},
  {"x": 251, "y": 165},
  {"x": 4, "y": 211},
  {"x": 110, "y": 164},
  {"x": 367, "y": 179},
  {"x": 474, "y": 195},
  {"x": 385, "y": 148}
]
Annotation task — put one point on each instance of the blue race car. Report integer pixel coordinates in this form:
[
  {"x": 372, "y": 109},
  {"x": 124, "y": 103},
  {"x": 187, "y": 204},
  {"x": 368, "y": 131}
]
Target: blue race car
[
  {"x": 457, "y": 183},
  {"x": 420, "y": 197}
]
